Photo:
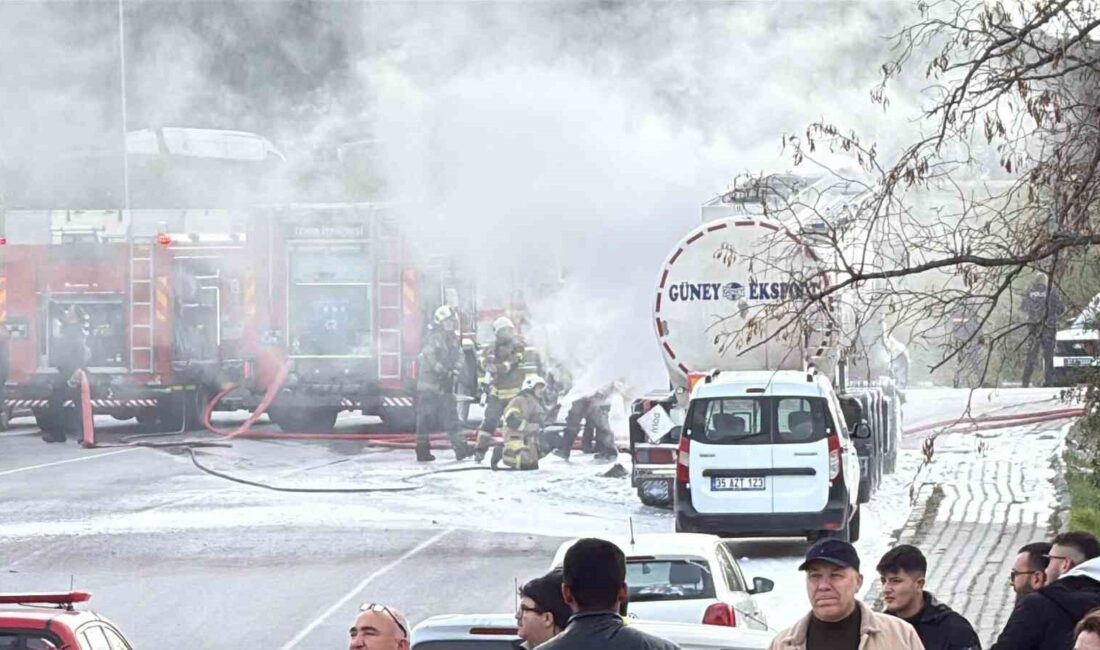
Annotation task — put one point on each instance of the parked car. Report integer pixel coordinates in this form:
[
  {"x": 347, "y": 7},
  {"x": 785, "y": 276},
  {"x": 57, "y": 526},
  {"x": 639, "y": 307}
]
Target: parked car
[
  {"x": 498, "y": 632},
  {"x": 685, "y": 578},
  {"x": 49, "y": 621}
]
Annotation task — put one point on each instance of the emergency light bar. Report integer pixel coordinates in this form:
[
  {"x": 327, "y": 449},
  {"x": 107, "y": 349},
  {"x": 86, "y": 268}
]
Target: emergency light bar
[{"x": 58, "y": 598}]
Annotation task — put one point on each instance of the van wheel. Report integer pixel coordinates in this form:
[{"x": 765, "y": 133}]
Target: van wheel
[{"x": 852, "y": 530}]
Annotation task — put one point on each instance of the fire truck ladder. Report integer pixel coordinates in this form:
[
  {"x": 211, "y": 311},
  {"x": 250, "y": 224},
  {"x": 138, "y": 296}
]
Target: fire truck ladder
[
  {"x": 389, "y": 300},
  {"x": 141, "y": 307}
]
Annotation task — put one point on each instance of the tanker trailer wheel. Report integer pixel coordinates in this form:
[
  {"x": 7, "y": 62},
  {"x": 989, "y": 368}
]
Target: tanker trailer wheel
[{"x": 317, "y": 419}]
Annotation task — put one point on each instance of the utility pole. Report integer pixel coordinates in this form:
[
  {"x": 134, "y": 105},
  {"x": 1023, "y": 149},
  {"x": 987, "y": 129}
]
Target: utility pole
[{"x": 122, "y": 91}]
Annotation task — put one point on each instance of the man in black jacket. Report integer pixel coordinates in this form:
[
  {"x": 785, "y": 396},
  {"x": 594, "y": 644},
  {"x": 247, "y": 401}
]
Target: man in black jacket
[
  {"x": 1044, "y": 620},
  {"x": 902, "y": 572},
  {"x": 594, "y": 577}
]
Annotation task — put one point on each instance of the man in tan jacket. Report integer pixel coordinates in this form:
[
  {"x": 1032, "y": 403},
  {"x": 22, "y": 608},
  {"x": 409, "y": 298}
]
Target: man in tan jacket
[{"x": 837, "y": 621}]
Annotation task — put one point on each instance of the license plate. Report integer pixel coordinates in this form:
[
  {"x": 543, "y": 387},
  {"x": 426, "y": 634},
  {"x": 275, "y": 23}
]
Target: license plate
[
  {"x": 1078, "y": 362},
  {"x": 737, "y": 484}
]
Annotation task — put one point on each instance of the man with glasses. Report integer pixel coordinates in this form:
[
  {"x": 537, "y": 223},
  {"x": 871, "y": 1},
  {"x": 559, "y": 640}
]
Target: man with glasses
[
  {"x": 1044, "y": 620},
  {"x": 542, "y": 613},
  {"x": 1028, "y": 573},
  {"x": 379, "y": 627}
]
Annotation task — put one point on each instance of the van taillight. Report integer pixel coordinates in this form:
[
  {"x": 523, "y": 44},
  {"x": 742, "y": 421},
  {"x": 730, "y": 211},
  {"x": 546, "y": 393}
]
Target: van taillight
[
  {"x": 683, "y": 456},
  {"x": 834, "y": 457},
  {"x": 720, "y": 614}
]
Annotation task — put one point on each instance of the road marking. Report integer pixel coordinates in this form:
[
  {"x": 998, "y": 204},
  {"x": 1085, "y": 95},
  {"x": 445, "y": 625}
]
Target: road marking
[
  {"x": 63, "y": 462},
  {"x": 19, "y": 432},
  {"x": 359, "y": 588}
]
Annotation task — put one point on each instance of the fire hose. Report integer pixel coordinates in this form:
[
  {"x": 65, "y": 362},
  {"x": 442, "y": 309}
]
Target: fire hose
[
  {"x": 975, "y": 424},
  {"x": 88, "y": 441}
]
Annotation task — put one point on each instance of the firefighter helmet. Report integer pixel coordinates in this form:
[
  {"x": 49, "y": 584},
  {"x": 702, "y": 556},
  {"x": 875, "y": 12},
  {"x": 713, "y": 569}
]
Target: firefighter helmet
[
  {"x": 444, "y": 314},
  {"x": 532, "y": 381},
  {"x": 502, "y": 323}
]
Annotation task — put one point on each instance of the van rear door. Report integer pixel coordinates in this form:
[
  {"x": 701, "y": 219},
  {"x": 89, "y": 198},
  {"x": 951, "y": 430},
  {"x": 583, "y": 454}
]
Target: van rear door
[
  {"x": 730, "y": 455},
  {"x": 800, "y": 455}
]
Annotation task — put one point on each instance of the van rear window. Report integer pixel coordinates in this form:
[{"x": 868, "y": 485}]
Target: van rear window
[{"x": 758, "y": 420}]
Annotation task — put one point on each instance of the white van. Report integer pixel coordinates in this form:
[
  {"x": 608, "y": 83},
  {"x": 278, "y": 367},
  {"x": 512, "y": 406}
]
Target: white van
[
  {"x": 1076, "y": 350},
  {"x": 767, "y": 454}
]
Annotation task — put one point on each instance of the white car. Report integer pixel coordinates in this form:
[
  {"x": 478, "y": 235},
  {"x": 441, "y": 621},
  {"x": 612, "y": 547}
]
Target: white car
[
  {"x": 767, "y": 454},
  {"x": 686, "y": 578},
  {"x": 498, "y": 632}
]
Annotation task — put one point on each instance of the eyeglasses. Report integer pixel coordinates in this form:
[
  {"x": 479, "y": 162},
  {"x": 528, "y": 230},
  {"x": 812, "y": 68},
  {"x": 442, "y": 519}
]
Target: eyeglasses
[
  {"x": 1056, "y": 557},
  {"x": 1013, "y": 574},
  {"x": 376, "y": 607},
  {"x": 524, "y": 608}
]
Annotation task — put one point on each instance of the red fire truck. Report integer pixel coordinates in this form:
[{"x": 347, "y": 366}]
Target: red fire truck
[
  {"x": 163, "y": 297},
  {"x": 343, "y": 304}
]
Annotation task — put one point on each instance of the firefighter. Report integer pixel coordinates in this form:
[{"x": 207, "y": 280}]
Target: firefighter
[
  {"x": 593, "y": 411},
  {"x": 69, "y": 354},
  {"x": 504, "y": 362},
  {"x": 441, "y": 363},
  {"x": 523, "y": 419},
  {"x": 1042, "y": 311}
]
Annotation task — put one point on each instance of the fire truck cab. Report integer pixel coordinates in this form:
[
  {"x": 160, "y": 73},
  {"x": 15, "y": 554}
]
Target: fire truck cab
[{"x": 160, "y": 298}]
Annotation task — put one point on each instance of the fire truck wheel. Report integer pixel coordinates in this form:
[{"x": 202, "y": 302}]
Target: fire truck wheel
[
  {"x": 44, "y": 422},
  {"x": 304, "y": 420},
  {"x": 182, "y": 411},
  {"x": 399, "y": 420}
]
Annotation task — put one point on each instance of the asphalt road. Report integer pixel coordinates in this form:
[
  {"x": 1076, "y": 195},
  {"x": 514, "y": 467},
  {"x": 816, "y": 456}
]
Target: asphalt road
[
  {"x": 96, "y": 518},
  {"x": 182, "y": 559}
]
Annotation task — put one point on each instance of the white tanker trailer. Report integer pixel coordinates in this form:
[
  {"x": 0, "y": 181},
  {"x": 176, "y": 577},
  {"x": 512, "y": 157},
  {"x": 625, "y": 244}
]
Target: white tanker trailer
[{"x": 754, "y": 362}]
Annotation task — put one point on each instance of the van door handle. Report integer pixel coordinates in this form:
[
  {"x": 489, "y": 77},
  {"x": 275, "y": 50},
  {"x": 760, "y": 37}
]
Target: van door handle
[
  {"x": 706, "y": 455},
  {"x": 811, "y": 454}
]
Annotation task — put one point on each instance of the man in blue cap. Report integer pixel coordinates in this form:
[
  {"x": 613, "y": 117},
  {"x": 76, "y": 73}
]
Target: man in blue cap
[{"x": 837, "y": 621}]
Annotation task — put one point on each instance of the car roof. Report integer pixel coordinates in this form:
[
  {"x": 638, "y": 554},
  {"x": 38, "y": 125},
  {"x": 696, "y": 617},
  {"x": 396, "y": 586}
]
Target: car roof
[
  {"x": 774, "y": 383},
  {"x": 503, "y": 626},
  {"x": 655, "y": 544},
  {"x": 37, "y": 617},
  {"x": 1077, "y": 334}
]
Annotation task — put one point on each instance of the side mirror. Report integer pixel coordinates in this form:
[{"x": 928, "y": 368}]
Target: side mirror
[
  {"x": 761, "y": 586},
  {"x": 863, "y": 431}
]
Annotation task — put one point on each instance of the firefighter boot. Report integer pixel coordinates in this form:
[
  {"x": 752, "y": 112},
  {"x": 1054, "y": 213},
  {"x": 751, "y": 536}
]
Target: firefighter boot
[
  {"x": 424, "y": 451},
  {"x": 484, "y": 441},
  {"x": 498, "y": 454}
]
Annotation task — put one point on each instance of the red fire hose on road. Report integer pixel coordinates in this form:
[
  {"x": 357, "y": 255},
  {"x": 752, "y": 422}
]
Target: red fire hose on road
[{"x": 998, "y": 421}]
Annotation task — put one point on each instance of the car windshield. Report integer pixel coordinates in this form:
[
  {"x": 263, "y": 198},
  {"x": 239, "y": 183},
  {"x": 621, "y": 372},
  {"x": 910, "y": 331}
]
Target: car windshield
[
  {"x": 657, "y": 579},
  {"x": 1083, "y": 348}
]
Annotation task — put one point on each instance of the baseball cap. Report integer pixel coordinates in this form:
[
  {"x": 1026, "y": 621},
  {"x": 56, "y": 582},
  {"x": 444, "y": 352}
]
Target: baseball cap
[{"x": 833, "y": 551}]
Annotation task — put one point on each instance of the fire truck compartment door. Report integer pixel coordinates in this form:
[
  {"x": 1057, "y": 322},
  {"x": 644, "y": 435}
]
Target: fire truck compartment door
[{"x": 330, "y": 300}]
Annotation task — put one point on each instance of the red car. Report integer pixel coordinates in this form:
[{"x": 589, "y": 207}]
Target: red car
[{"x": 50, "y": 622}]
